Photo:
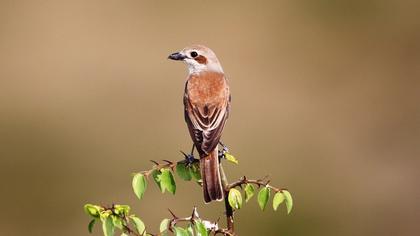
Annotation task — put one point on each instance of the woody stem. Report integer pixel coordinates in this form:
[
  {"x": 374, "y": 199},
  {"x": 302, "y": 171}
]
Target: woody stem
[{"x": 229, "y": 210}]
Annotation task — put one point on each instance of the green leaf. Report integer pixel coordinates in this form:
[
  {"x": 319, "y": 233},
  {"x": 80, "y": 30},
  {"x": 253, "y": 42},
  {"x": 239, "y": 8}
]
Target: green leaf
[
  {"x": 139, "y": 185},
  {"x": 91, "y": 224},
  {"x": 140, "y": 227},
  {"x": 156, "y": 174},
  {"x": 105, "y": 214},
  {"x": 195, "y": 171},
  {"x": 263, "y": 197},
  {"x": 249, "y": 191},
  {"x": 190, "y": 230},
  {"x": 164, "y": 225},
  {"x": 277, "y": 200},
  {"x": 289, "y": 200},
  {"x": 122, "y": 210},
  {"x": 235, "y": 198},
  {"x": 183, "y": 171},
  {"x": 167, "y": 181},
  {"x": 180, "y": 231},
  {"x": 231, "y": 158},
  {"x": 117, "y": 221},
  {"x": 108, "y": 227},
  {"x": 200, "y": 229},
  {"x": 93, "y": 210}
]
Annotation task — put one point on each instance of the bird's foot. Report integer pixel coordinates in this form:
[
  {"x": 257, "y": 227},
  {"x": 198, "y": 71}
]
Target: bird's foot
[
  {"x": 224, "y": 154},
  {"x": 224, "y": 150}
]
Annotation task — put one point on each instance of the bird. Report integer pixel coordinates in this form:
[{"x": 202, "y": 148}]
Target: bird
[{"x": 207, "y": 102}]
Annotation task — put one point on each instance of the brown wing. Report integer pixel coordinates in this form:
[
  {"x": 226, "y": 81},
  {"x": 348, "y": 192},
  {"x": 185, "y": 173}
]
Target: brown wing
[
  {"x": 206, "y": 120},
  {"x": 206, "y": 130}
]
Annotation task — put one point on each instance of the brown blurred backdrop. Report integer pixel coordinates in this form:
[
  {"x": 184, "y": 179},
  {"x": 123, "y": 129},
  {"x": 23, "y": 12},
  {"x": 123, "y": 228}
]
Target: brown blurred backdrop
[{"x": 325, "y": 100}]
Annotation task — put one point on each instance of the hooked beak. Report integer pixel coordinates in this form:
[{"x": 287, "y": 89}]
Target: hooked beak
[{"x": 177, "y": 56}]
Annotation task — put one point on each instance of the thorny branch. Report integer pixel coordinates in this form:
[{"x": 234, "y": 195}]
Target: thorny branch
[
  {"x": 213, "y": 227},
  {"x": 242, "y": 181},
  {"x": 126, "y": 227},
  {"x": 167, "y": 164},
  {"x": 189, "y": 160},
  {"x": 259, "y": 182},
  {"x": 229, "y": 211}
]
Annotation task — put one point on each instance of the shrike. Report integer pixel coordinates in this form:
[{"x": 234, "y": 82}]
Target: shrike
[{"x": 206, "y": 103}]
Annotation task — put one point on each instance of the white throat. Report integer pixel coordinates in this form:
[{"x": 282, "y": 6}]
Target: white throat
[{"x": 194, "y": 67}]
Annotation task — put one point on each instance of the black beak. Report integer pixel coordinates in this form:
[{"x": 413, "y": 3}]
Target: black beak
[{"x": 177, "y": 56}]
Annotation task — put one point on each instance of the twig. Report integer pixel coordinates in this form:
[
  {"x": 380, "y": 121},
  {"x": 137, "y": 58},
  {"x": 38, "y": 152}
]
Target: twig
[
  {"x": 158, "y": 166},
  {"x": 168, "y": 164},
  {"x": 229, "y": 211},
  {"x": 224, "y": 232},
  {"x": 125, "y": 224},
  {"x": 191, "y": 219},
  {"x": 259, "y": 183}
]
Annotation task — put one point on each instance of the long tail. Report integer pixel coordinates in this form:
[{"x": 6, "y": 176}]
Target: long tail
[{"x": 210, "y": 174}]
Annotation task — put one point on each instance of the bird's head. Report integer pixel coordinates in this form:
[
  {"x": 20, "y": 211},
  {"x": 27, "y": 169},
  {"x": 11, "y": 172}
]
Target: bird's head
[{"x": 198, "y": 59}]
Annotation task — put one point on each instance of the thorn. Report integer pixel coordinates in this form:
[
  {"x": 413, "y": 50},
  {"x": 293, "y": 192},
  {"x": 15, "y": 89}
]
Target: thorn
[
  {"x": 183, "y": 153},
  {"x": 154, "y": 162},
  {"x": 173, "y": 215},
  {"x": 194, "y": 214},
  {"x": 169, "y": 162}
]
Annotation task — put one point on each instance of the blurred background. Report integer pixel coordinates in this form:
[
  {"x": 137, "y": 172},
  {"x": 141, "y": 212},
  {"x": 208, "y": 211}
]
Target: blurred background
[{"x": 325, "y": 101}]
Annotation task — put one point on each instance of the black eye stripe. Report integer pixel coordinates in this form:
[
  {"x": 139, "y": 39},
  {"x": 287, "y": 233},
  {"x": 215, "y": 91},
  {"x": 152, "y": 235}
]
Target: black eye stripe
[{"x": 194, "y": 54}]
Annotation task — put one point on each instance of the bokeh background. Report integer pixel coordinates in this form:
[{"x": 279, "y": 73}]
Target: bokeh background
[{"x": 325, "y": 100}]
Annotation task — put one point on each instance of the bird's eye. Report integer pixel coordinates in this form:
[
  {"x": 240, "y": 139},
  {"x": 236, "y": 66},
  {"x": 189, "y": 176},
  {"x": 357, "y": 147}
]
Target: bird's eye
[{"x": 194, "y": 54}]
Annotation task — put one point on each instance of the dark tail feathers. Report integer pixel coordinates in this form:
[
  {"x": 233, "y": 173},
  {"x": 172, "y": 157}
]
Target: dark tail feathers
[{"x": 210, "y": 174}]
